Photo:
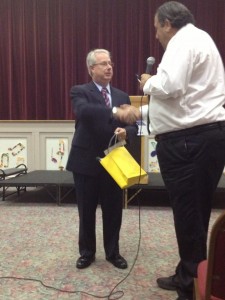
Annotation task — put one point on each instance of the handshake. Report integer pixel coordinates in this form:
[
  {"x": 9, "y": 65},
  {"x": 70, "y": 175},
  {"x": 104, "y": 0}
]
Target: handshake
[{"x": 127, "y": 114}]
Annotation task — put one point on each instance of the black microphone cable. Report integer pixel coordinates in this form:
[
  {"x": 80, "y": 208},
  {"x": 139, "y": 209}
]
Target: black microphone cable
[{"x": 139, "y": 213}]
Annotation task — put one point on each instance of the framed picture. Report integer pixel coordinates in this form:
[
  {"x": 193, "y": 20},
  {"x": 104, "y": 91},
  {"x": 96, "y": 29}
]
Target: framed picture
[
  {"x": 56, "y": 153},
  {"x": 13, "y": 151},
  {"x": 151, "y": 163}
]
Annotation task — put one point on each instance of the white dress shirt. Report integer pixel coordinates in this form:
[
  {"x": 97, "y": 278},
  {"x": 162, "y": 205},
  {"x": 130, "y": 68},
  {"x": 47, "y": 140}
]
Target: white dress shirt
[{"x": 189, "y": 87}]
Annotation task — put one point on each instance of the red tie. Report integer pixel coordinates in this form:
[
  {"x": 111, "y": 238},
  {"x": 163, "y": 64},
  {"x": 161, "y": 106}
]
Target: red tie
[{"x": 105, "y": 96}]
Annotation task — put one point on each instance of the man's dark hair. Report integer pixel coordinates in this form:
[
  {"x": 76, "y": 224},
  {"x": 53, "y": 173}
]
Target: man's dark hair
[{"x": 175, "y": 12}]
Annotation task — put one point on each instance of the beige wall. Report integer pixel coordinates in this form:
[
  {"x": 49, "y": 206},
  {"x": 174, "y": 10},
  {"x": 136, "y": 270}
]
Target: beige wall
[{"x": 37, "y": 135}]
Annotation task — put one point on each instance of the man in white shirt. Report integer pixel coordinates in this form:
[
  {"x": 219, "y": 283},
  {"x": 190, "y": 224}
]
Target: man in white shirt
[{"x": 188, "y": 120}]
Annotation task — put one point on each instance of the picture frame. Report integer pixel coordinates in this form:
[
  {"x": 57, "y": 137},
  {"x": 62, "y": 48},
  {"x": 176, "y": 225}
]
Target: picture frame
[
  {"x": 151, "y": 164},
  {"x": 13, "y": 152},
  {"x": 56, "y": 153}
]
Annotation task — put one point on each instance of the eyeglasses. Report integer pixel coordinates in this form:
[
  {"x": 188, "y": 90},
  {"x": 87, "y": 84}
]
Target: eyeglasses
[{"x": 105, "y": 64}]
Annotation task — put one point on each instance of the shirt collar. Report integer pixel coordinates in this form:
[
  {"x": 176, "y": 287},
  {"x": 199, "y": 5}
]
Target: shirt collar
[{"x": 100, "y": 87}]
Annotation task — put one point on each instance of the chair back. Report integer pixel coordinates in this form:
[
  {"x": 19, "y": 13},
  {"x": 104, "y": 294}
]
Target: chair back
[{"x": 215, "y": 281}]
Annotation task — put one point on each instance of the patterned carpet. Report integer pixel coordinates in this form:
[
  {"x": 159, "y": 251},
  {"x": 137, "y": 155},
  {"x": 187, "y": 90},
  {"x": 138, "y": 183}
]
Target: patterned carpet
[{"x": 39, "y": 241}]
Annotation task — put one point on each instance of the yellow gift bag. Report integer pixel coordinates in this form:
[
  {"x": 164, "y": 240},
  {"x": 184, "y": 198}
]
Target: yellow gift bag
[{"x": 123, "y": 168}]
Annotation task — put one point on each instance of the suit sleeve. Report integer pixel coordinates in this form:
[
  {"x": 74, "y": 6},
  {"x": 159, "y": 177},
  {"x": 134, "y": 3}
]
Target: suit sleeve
[{"x": 97, "y": 118}]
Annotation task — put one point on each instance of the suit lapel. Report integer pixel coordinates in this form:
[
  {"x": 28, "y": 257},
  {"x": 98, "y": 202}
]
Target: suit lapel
[
  {"x": 115, "y": 98},
  {"x": 96, "y": 94}
]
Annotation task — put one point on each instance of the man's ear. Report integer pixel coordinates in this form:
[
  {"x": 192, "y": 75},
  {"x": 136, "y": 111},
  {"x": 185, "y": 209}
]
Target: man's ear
[{"x": 167, "y": 25}]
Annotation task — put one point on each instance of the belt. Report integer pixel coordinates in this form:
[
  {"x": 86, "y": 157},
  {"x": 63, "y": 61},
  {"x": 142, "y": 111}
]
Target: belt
[{"x": 189, "y": 131}]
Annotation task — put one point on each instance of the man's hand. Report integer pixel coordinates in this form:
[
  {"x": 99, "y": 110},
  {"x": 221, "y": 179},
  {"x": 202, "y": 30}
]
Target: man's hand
[
  {"x": 144, "y": 78},
  {"x": 128, "y": 114},
  {"x": 121, "y": 133}
]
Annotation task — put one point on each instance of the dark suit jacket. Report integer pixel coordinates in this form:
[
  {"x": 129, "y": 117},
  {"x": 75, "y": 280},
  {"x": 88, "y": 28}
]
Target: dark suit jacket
[{"x": 94, "y": 127}]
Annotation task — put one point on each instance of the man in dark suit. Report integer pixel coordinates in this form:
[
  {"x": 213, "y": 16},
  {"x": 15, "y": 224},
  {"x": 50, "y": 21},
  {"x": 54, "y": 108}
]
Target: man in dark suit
[{"x": 96, "y": 122}]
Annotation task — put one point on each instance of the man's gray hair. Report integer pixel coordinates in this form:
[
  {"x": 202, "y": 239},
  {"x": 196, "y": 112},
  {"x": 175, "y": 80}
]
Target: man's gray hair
[{"x": 91, "y": 58}]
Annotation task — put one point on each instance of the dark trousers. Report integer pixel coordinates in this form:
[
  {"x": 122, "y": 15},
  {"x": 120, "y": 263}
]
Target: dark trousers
[
  {"x": 91, "y": 191},
  {"x": 191, "y": 163}
]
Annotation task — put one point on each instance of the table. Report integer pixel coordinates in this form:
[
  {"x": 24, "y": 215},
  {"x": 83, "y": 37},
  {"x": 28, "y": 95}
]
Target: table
[
  {"x": 19, "y": 170},
  {"x": 46, "y": 179},
  {"x": 155, "y": 182}
]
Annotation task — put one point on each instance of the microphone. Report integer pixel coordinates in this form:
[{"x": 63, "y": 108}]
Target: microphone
[{"x": 150, "y": 62}]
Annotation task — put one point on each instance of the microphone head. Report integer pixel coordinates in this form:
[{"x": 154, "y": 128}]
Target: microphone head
[{"x": 150, "y": 60}]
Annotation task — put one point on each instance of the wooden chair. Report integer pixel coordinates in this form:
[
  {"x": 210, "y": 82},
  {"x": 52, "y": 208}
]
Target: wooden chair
[{"x": 210, "y": 283}]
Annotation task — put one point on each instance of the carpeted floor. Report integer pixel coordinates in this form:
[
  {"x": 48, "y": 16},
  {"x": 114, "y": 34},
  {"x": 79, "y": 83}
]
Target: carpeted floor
[{"x": 39, "y": 241}]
